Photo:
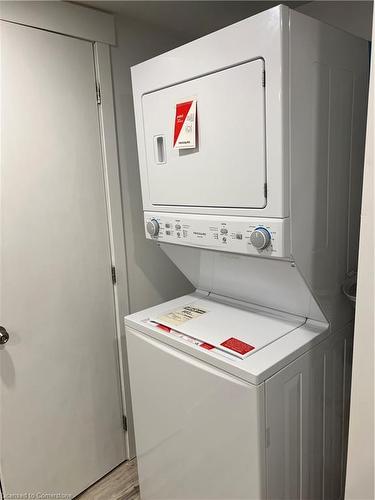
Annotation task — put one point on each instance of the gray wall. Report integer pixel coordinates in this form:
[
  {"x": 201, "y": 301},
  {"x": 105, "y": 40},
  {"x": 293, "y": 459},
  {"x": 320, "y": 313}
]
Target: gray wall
[
  {"x": 352, "y": 16},
  {"x": 151, "y": 275}
]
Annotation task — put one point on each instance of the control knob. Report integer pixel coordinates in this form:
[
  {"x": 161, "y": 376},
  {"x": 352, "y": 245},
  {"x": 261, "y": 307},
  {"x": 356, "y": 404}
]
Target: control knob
[
  {"x": 260, "y": 238},
  {"x": 4, "y": 335},
  {"x": 152, "y": 227}
]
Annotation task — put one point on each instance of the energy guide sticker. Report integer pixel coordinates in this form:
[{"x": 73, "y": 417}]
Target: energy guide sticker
[
  {"x": 181, "y": 315},
  {"x": 185, "y": 124}
]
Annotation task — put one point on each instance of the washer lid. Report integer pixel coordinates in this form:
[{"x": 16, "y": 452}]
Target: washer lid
[{"x": 219, "y": 327}]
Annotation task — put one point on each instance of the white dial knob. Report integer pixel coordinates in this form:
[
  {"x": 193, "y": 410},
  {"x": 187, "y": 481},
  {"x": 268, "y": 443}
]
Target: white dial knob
[
  {"x": 260, "y": 238},
  {"x": 152, "y": 227}
]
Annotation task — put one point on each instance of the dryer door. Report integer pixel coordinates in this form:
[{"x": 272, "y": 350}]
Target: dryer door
[{"x": 227, "y": 168}]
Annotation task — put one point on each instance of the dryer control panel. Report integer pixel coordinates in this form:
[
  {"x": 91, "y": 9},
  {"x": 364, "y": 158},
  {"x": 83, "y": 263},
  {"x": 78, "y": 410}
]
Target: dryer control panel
[{"x": 264, "y": 237}]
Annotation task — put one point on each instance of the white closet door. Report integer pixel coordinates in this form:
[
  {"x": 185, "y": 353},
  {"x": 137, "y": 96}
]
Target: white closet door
[{"x": 60, "y": 421}]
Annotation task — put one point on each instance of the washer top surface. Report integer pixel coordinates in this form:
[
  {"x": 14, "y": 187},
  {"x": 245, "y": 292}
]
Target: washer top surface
[
  {"x": 248, "y": 341},
  {"x": 227, "y": 329}
]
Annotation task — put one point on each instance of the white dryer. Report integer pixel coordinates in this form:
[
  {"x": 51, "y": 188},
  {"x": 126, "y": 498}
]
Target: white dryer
[{"x": 250, "y": 143}]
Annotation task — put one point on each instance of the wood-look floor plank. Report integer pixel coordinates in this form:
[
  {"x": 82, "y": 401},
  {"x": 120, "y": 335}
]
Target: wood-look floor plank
[{"x": 119, "y": 484}]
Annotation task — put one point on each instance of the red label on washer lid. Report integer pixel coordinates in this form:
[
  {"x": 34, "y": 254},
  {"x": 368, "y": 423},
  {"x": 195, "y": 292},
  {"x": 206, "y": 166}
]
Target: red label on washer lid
[
  {"x": 204, "y": 345},
  {"x": 163, "y": 327},
  {"x": 237, "y": 345}
]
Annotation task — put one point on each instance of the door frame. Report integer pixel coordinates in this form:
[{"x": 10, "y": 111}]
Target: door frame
[
  {"x": 102, "y": 58},
  {"x": 97, "y": 27}
]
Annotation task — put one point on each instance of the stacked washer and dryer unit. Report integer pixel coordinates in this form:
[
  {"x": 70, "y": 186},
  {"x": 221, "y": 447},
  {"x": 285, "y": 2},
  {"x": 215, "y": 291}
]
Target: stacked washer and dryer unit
[{"x": 250, "y": 146}]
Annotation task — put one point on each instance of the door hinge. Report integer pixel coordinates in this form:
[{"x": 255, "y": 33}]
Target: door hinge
[
  {"x": 264, "y": 78},
  {"x": 124, "y": 423},
  {"x": 98, "y": 93},
  {"x": 113, "y": 271},
  {"x": 268, "y": 437},
  {"x": 265, "y": 190}
]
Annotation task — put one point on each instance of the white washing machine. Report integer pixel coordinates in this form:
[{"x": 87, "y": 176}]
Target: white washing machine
[
  {"x": 228, "y": 402},
  {"x": 250, "y": 143}
]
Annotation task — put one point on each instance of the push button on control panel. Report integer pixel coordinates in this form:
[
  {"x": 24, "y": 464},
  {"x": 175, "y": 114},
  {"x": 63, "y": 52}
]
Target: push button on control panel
[{"x": 224, "y": 230}]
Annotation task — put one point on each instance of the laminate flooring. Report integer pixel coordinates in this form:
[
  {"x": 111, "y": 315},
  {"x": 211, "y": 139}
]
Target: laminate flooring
[{"x": 119, "y": 484}]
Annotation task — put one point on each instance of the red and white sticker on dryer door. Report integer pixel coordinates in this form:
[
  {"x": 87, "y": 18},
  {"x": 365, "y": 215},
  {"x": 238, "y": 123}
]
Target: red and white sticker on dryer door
[{"x": 185, "y": 125}]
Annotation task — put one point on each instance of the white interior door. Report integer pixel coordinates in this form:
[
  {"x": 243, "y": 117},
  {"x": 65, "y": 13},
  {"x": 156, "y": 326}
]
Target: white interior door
[
  {"x": 227, "y": 168},
  {"x": 61, "y": 424}
]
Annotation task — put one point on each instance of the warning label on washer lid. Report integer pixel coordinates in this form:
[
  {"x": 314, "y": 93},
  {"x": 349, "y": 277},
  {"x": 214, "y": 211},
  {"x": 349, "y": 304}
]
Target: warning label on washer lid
[
  {"x": 237, "y": 345},
  {"x": 184, "y": 136},
  {"x": 181, "y": 315}
]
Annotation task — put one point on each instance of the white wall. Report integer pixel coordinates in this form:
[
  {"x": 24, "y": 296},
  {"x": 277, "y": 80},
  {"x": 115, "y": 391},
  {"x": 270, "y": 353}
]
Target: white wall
[
  {"x": 352, "y": 16},
  {"x": 361, "y": 462},
  {"x": 152, "y": 276}
]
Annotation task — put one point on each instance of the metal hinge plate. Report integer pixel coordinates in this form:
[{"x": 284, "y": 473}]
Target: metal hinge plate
[
  {"x": 124, "y": 423},
  {"x": 268, "y": 437},
  {"x": 113, "y": 271},
  {"x": 265, "y": 190},
  {"x": 98, "y": 94},
  {"x": 264, "y": 78}
]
